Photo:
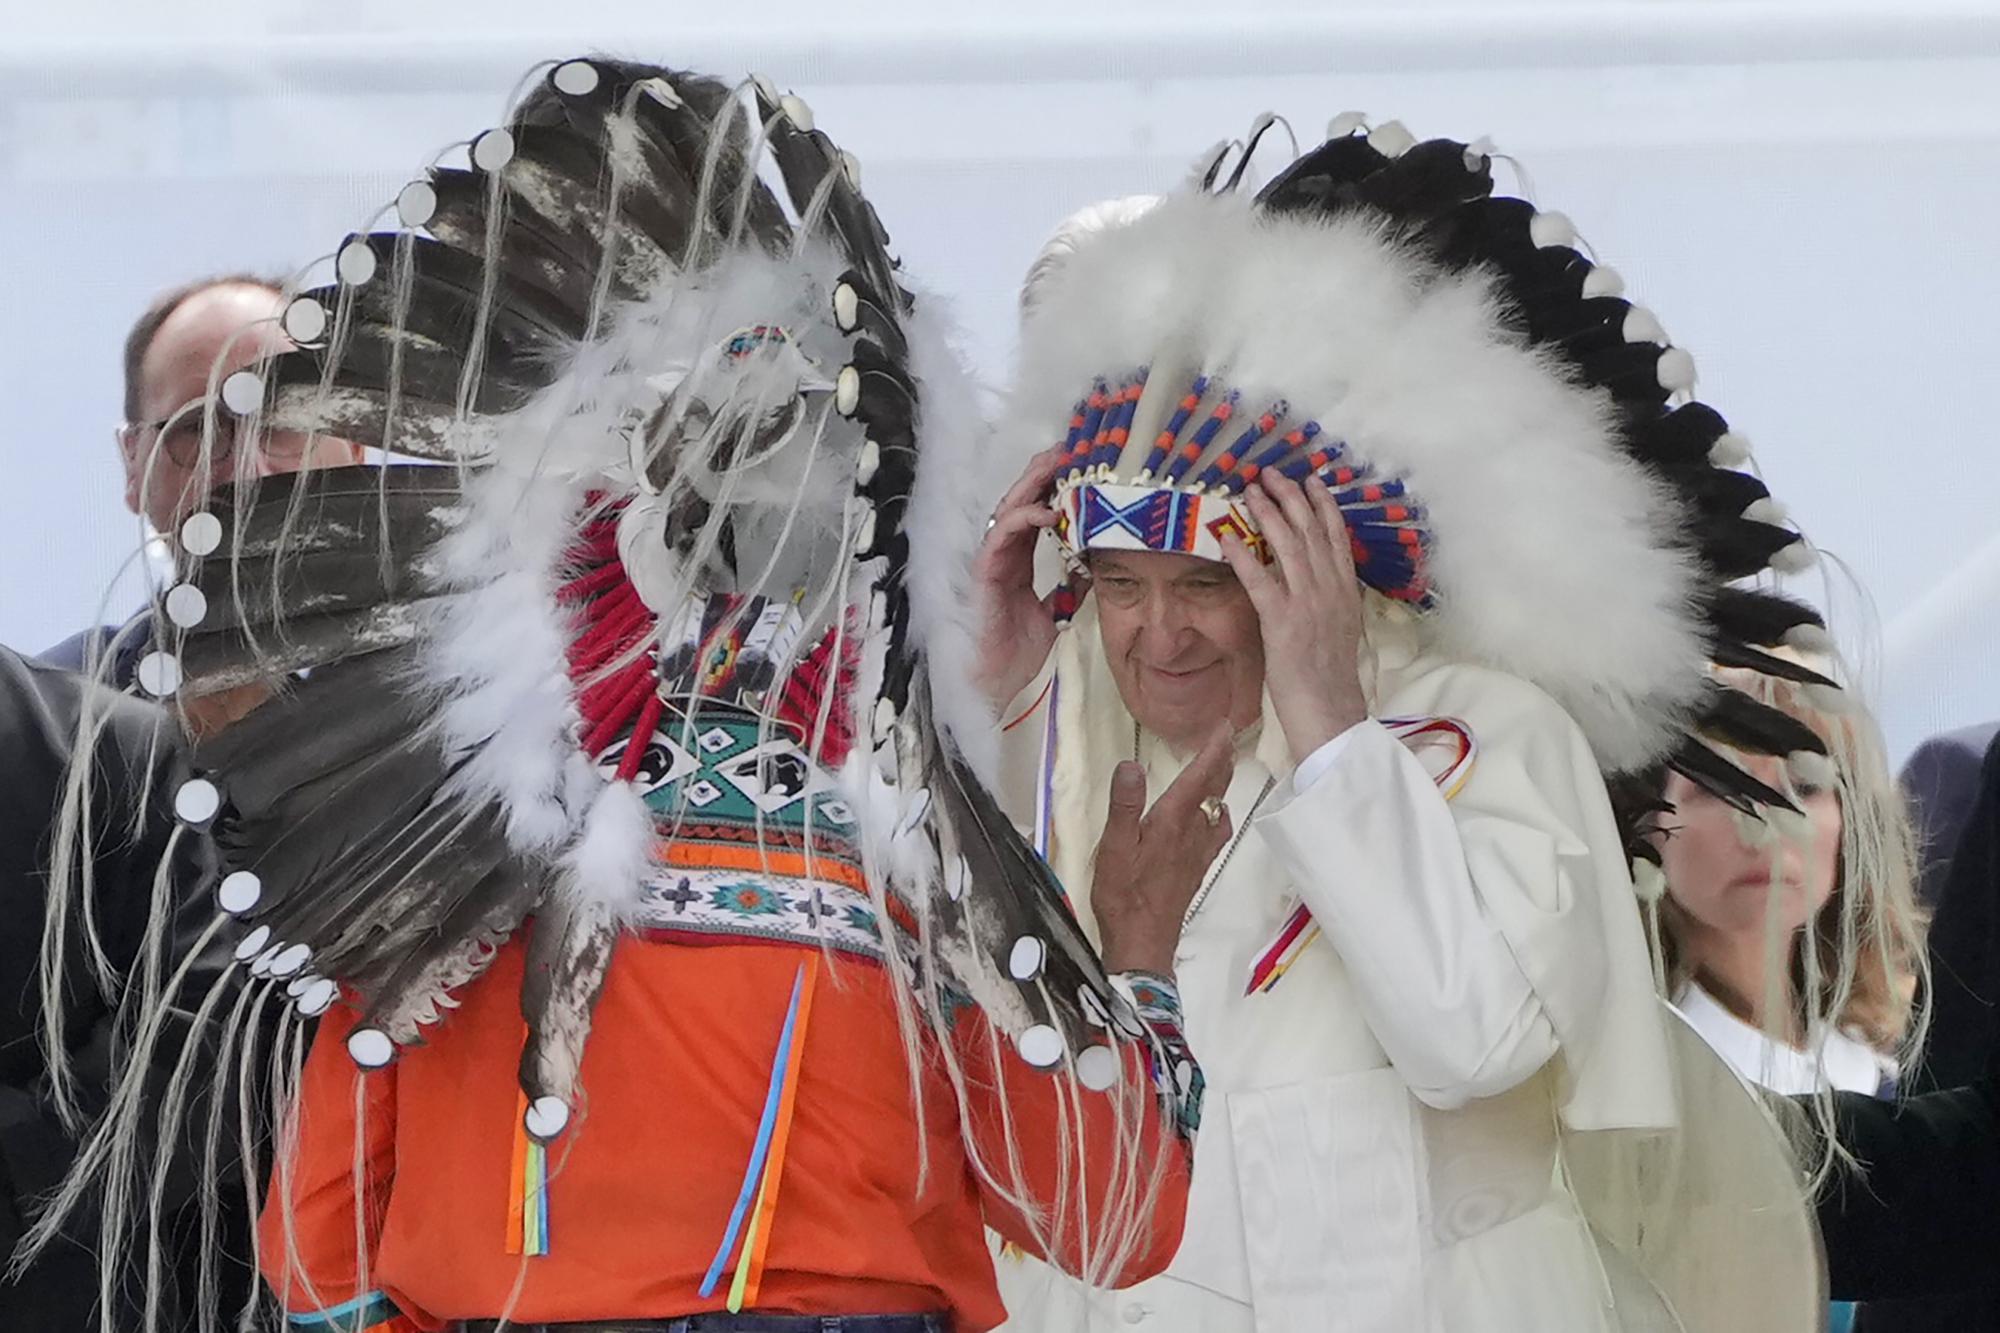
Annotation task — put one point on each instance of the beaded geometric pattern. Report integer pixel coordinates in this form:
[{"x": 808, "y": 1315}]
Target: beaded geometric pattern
[{"x": 1186, "y": 491}]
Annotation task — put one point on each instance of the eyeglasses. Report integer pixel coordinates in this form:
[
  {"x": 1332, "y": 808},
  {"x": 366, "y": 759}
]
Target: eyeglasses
[{"x": 179, "y": 434}]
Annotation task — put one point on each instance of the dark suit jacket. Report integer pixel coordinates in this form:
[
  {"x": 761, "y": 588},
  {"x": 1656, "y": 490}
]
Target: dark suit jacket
[
  {"x": 1941, "y": 780},
  {"x": 1924, "y": 1221},
  {"x": 1961, "y": 1049},
  {"x": 80, "y": 651},
  {"x": 39, "y": 707},
  {"x": 1965, "y": 946}
]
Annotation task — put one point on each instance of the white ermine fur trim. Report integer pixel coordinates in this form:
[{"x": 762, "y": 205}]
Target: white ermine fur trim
[{"x": 1554, "y": 557}]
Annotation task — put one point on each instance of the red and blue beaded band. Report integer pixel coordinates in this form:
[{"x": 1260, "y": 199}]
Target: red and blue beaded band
[{"x": 1185, "y": 492}]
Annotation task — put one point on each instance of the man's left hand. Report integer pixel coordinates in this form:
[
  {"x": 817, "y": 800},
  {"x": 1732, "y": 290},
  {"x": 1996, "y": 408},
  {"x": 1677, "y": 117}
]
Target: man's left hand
[{"x": 1309, "y": 606}]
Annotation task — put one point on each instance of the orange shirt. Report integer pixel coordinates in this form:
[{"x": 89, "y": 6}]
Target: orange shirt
[{"x": 642, "y": 1183}]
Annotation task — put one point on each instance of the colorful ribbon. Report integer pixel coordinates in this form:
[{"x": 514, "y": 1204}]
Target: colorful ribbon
[
  {"x": 370, "y": 1312},
  {"x": 528, "y": 1191},
  {"x": 761, "y": 1177},
  {"x": 1418, "y": 733}
]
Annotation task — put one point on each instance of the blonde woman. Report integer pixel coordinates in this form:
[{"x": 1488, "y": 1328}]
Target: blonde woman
[{"x": 1792, "y": 942}]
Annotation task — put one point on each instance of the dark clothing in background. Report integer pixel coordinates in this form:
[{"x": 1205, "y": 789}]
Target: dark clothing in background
[
  {"x": 137, "y": 759},
  {"x": 1951, "y": 1201},
  {"x": 1965, "y": 946},
  {"x": 1924, "y": 1220},
  {"x": 80, "y": 651},
  {"x": 1941, "y": 781}
]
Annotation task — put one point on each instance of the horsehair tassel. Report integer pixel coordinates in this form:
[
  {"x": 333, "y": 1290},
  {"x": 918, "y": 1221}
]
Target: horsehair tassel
[
  {"x": 611, "y": 629},
  {"x": 778, "y": 1101}
]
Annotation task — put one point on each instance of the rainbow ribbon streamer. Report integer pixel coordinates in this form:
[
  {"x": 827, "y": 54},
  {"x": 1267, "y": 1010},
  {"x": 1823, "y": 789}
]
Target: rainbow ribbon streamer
[
  {"x": 767, "y": 1155},
  {"x": 528, "y": 1192},
  {"x": 1300, "y": 929}
]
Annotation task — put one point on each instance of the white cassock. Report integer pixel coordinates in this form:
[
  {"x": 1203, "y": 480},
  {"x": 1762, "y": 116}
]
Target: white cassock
[{"x": 1382, "y": 1145}]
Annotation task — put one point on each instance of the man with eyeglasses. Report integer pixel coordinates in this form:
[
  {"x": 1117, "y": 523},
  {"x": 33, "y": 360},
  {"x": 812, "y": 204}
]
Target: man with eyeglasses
[{"x": 176, "y": 357}]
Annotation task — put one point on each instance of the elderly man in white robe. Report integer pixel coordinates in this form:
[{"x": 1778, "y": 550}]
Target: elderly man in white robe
[
  {"x": 1461, "y": 937},
  {"x": 1415, "y": 971}
]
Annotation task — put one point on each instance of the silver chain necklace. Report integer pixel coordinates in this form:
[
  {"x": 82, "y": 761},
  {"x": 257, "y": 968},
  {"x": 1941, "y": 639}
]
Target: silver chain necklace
[{"x": 1214, "y": 875}]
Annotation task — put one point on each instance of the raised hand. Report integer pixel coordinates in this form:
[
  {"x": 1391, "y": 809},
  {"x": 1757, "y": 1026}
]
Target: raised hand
[
  {"x": 1017, "y": 628},
  {"x": 1150, "y": 863},
  {"x": 1309, "y": 605}
]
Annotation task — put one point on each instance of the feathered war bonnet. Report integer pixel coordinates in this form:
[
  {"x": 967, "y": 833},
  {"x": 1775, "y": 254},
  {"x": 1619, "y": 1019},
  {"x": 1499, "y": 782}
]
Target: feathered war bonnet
[
  {"x": 1516, "y": 448},
  {"x": 653, "y": 332}
]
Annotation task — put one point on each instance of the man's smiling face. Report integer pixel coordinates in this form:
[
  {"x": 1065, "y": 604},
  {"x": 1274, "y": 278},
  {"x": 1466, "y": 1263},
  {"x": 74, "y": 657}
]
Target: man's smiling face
[{"x": 1182, "y": 640}]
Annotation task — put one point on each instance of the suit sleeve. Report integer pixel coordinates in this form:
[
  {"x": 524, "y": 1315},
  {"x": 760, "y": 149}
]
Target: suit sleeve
[
  {"x": 1922, "y": 1216},
  {"x": 1032, "y": 1131},
  {"x": 1964, "y": 943},
  {"x": 318, "y": 1233},
  {"x": 128, "y": 848},
  {"x": 1489, "y": 929}
]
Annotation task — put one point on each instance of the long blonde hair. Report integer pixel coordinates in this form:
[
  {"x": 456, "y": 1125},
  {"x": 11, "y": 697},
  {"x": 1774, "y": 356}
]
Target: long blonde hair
[{"x": 1861, "y": 972}]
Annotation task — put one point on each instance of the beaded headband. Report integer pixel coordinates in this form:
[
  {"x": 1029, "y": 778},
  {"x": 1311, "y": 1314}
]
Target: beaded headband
[{"x": 1182, "y": 493}]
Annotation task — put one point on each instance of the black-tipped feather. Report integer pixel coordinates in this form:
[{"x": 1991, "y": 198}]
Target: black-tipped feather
[
  {"x": 1724, "y": 780},
  {"x": 1726, "y": 654},
  {"x": 1440, "y": 197},
  {"x": 1736, "y": 548},
  {"x": 816, "y": 178},
  {"x": 1733, "y": 718},
  {"x": 1750, "y": 615}
]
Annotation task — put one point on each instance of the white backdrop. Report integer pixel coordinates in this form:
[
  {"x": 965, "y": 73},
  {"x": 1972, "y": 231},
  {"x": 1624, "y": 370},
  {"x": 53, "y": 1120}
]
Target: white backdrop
[{"x": 1806, "y": 193}]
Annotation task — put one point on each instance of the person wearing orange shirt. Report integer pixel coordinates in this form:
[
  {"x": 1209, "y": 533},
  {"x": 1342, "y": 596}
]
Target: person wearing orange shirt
[{"x": 616, "y": 815}]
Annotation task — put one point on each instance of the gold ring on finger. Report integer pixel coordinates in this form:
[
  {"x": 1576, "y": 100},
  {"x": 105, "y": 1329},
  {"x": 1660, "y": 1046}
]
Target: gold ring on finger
[{"x": 1212, "y": 809}]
